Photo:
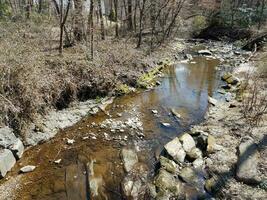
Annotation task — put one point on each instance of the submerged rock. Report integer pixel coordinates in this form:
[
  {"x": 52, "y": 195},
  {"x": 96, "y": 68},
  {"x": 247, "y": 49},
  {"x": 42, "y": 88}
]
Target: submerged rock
[
  {"x": 129, "y": 158},
  {"x": 7, "y": 161},
  {"x": 248, "y": 160},
  {"x": 205, "y": 52},
  {"x": 166, "y": 183},
  {"x": 134, "y": 185},
  {"x": 28, "y": 168},
  {"x": 175, "y": 150}
]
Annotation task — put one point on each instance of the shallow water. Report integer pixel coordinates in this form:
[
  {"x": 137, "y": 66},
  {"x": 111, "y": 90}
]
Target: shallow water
[{"x": 184, "y": 87}]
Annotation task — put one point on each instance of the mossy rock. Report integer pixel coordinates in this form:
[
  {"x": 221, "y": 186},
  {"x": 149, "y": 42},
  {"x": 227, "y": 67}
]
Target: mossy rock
[
  {"x": 148, "y": 80},
  {"x": 122, "y": 89}
]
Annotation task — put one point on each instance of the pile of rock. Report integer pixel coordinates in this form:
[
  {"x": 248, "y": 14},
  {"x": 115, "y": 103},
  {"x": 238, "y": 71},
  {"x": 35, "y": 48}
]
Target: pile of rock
[
  {"x": 182, "y": 166},
  {"x": 11, "y": 149}
]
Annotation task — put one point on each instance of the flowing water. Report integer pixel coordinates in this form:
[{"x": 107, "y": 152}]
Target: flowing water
[{"x": 184, "y": 88}]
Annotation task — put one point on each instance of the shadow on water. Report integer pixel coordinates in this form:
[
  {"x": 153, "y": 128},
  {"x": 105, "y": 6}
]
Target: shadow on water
[{"x": 184, "y": 87}]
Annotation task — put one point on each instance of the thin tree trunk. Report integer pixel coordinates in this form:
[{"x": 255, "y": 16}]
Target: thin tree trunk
[
  {"x": 116, "y": 18},
  {"x": 91, "y": 22},
  {"x": 61, "y": 28},
  {"x": 130, "y": 15},
  {"x": 101, "y": 20}
]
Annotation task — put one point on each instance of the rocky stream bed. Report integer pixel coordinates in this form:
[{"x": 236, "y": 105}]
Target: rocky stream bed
[{"x": 181, "y": 138}]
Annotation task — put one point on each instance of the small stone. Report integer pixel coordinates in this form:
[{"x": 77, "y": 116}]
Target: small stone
[
  {"x": 205, "y": 52},
  {"x": 57, "y": 161},
  {"x": 188, "y": 142},
  {"x": 195, "y": 153},
  {"x": 212, "y": 146},
  {"x": 28, "y": 168},
  {"x": 70, "y": 141},
  {"x": 198, "y": 163},
  {"x": 166, "y": 124},
  {"x": 155, "y": 112},
  {"x": 175, "y": 113},
  {"x": 167, "y": 164},
  {"x": 212, "y": 101}
]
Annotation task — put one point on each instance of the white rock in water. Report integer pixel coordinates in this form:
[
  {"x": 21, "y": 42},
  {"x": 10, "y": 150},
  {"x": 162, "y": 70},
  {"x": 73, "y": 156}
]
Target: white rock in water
[
  {"x": 155, "y": 112},
  {"x": 166, "y": 124},
  {"x": 7, "y": 161},
  {"x": 205, "y": 52},
  {"x": 175, "y": 149},
  {"x": 70, "y": 141},
  {"x": 28, "y": 168}
]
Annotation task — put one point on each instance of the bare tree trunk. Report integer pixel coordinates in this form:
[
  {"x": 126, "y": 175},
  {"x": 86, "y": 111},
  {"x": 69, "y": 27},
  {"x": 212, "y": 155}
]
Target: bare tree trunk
[
  {"x": 141, "y": 9},
  {"x": 101, "y": 20},
  {"x": 28, "y": 9},
  {"x": 61, "y": 28},
  {"x": 116, "y": 18},
  {"x": 91, "y": 27},
  {"x": 130, "y": 15},
  {"x": 78, "y": 20},
  {"x": 40, "y": 6}
]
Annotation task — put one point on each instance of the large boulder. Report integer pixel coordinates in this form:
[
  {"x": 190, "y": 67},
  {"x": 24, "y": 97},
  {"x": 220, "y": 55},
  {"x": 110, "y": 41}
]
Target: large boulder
[
  {"x": 7, "y": 161},
  {"x": 247, "y": 166},
  {"x": 188, "y": 142},
  {"x": 129, "y": 158},
  {"x": 9, "y": 141},
  {"x": 175, "y": 149},
  {"x": 7, "y": 137}
]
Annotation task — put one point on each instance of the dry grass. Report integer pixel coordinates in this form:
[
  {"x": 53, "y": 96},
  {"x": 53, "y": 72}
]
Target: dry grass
[{"x": 34, "y": 78}]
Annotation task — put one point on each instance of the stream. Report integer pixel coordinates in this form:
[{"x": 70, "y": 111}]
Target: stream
[{"x": 92, "y": 165}]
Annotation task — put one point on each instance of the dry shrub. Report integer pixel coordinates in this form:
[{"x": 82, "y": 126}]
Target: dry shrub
[
  {"x": 254, "y": 100},
  {"x": 34, "y": 78}
]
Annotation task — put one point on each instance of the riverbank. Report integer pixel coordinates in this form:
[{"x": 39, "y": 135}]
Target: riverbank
[{"x": 225, "y": 156}]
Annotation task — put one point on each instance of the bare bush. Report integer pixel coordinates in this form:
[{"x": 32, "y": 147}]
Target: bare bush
[{"x": 254, "y": 101}]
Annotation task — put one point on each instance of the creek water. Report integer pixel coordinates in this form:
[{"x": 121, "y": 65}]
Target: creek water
[{"x": 184, "y": 88}]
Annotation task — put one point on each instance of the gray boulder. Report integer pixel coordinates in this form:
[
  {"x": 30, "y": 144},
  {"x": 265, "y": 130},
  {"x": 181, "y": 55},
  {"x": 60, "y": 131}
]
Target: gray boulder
[
  {"x": 7, "y": 161},
  {"x": 247, "y": 166},
  {"x": 175, "y": 150},
  {"x": 7, "y": 137},
  {"x": 9, "y": 141}
]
